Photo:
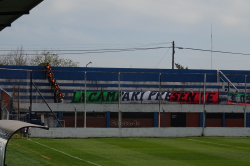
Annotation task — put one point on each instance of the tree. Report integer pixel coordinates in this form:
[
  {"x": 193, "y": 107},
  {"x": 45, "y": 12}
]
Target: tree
[
  {"x": 19, "y": 58},
  {"x": 15, "y": 57},
  {"x": 179, "y": 66},
  {"x": 53, "y": 59}
]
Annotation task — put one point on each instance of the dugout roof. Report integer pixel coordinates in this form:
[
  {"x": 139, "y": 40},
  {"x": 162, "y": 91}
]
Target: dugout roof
[{"x": 10, "y": 10}]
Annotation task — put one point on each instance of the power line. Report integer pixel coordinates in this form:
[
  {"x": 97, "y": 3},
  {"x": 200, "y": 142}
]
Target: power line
[
  {"x": 191, "y": 59},
  {"x": 163, "y": 57},
  {"x": 92, "y": 51},
  {"x": 224, "y": 52},
  {"x": 97, "y": 50},
  {"x": 79, "y": 52},
  {"x": 95, "y": 45}
]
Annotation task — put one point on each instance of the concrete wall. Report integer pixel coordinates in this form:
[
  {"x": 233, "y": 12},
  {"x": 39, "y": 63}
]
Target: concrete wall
[{"x": 137, "y": 132}]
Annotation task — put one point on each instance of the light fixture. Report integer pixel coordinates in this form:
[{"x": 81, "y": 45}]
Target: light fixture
[{"x": 88, "y": 63}]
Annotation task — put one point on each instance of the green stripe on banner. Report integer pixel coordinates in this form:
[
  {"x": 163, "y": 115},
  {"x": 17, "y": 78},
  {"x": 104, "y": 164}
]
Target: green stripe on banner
[{"x": 95, "y": 97}]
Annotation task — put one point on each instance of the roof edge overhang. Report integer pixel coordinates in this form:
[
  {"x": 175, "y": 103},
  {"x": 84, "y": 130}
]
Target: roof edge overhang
[{"x": 12, "y": 14}]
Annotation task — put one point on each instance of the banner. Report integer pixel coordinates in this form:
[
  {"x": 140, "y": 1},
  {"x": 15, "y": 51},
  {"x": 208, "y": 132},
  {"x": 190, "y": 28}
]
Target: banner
[
  {"x": 193, "y": 97},
  {"x": 126, "y": 97},
  {"x": 144, "y": 97},
  {"x": 233, "y": 98}
]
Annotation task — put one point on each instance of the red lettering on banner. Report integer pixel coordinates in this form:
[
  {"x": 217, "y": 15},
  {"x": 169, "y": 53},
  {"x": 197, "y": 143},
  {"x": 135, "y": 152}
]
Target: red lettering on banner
[{"x": 193, "y": 97}]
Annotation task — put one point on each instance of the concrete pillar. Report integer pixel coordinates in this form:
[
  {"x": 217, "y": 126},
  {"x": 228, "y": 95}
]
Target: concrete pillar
[
  {"x": 42, "y": 118},
  {"x": 60, "y": 115},
  {"x": 155, "y": 119},
  {"x": 108, "y": 119},
  {"x": 223, "y": 119}
]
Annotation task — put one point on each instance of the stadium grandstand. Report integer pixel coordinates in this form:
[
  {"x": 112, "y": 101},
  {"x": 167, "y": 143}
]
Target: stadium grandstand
[{"x": 127, "y": 98}]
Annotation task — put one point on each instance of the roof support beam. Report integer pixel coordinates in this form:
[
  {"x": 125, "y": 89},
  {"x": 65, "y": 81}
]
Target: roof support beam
[
  {"x": 5, "y": 25},
  {"x": 14, "y": 13}
]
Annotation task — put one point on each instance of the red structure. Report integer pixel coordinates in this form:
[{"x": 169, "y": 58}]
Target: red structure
[{"x": 58, "y": 97}]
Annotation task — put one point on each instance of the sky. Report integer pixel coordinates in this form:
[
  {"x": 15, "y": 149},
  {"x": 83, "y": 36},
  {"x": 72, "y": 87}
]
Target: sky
[{"x": 110, "y": 24}]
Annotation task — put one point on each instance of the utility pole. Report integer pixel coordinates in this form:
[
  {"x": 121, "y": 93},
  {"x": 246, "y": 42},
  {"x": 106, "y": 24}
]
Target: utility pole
[{"x": 173, "y": 56}]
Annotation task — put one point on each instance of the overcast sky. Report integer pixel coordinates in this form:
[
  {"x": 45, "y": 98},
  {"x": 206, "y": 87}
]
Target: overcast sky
[{"x": 113, "y": 24}]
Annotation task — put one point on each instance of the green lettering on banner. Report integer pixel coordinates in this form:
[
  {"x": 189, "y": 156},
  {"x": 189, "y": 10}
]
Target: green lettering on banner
[
  {"x": 239, "y": 94},
  {"x": 95, "y": 97},
  {"x": 237, "y": 97}
]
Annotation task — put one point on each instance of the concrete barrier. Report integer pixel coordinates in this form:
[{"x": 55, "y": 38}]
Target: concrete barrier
[
  {"x": 138, "y": 132},
  {"x": 116, "y": 132},
  {"x": 227, "y": 131}
]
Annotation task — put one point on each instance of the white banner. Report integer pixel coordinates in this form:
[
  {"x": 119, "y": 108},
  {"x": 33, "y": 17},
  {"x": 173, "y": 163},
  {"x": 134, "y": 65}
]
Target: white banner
[{"x": 144, "y": 97}]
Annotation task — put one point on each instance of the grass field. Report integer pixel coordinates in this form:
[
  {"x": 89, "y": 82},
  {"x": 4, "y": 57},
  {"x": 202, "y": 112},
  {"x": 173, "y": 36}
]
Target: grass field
[{"x": 202, "y": 151}]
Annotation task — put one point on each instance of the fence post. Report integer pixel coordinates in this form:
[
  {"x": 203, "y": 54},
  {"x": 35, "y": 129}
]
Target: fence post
[
  {"x": 245, "y": 121},
  {"x": 119, "y": 103},
  {"x": 75, "y": 118},
  {"x": 18, "y": 102},
  {"x": 237, "y": 98},
  {"x": 30, "y": 96},
  {"x": 204, "y": 105},
  {"x": 85, "y": 114},
  {"x": 1, "y": 112},
  {"x": 200, "y": 96},
  {"x": 11, "y": 108},
  {"x": 159, "y": 115},
  {"x": 163, "y": 119}
]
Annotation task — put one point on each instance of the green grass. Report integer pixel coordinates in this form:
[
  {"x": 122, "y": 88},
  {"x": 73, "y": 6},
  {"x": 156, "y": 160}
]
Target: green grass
[{"x": 203, "y": 151}]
